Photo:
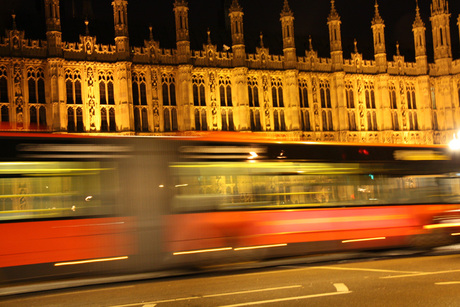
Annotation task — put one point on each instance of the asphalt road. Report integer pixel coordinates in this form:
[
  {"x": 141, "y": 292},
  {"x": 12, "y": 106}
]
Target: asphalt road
[{"x": 428, "y": 280}]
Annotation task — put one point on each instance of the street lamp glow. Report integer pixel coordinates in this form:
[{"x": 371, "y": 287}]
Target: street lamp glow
[{"x": 455, "y": 143}]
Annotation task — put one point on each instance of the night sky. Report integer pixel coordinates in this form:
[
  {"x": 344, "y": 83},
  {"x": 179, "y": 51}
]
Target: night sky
[{"x": 259, "y": 15}]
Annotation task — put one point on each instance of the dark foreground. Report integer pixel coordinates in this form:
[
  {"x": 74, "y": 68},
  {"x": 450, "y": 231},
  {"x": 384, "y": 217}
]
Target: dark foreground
[{"x": 381, "y": 279}]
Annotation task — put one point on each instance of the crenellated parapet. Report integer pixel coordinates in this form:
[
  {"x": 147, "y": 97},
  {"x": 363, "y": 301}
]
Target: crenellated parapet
[{"x": 88, "y": 87}]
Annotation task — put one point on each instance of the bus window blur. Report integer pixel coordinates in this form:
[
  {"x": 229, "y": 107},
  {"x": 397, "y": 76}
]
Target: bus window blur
[
  {"x": 209, "y": 186},
  {"x": 41, "y": 190}
]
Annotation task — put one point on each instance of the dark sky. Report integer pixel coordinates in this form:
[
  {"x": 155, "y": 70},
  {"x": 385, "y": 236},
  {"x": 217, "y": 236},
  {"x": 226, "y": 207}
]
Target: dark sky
[{"x": 259, "y": 15}]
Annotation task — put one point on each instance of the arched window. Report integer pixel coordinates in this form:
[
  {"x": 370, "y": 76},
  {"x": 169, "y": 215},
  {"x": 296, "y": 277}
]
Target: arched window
[
  {"x": 306, "y": 121},
  {"x": 3, "y": 90},
  {"x": 70, "y": 120},
  {"x": 174, "y": 119},
  {"x": 33, "y": 117},
  {"x": 137, "y": 120},
  {"x": 113, "y": 124},
  {"x": 255, "y": 120},
  {"x": 277, "y": 93},
  {"x": 80, "y": 126},
  {"x": 139, "y": 89},
  {"x": 204, "y": 120},
  {"x": 36, "y": 85},
  {"x": 42, "y": 116},
  {"x": 145, "y": 121},
  {"x": 32, "y": 91},
  {"x": 73, "y": 87},
  {"x": 224, "y": 120},
  {"x": 104, "y": 125},
  {"x": 323, "y": 98},
  {"x": 167, "y": 120},
  {"x": 5, "y": 114},
  {"x": 303, "y": 95}
]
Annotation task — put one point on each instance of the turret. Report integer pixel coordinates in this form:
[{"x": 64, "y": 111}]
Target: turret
[
  {"x": 238, "y": 47},
  {"x": 335, "y": 38},
  {"x": 440, "y": 24},
  {"x": 378, "y": 30},
  {"x": 182, "y": 31},
  {"x": 287, "y": 24},
  {"x": 418, "y": 28},
  {"x": 53, "y": 28},
  {"x": 120, "y": 15}
]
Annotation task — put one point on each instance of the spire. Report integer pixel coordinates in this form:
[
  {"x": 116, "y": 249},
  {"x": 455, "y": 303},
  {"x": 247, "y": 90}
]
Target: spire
[
  {"x": 286, "y": 10},
  {"x": 87, "y": 28},
  {"x": 377, "y": 18},
  {"x": 418, "y": 22},
  {"x": 333, "y": 15},
  {"x": 439, "y": 7},
  {"x": 151, "y": 33},
  {"x": 356, "y": 45},
  {"x": 310, "y": 45},
  {"x": 209, "y": 37},
  {"x": 14, "y": 21},
  {"x": 235, "y": 7},
  {"x": 397, "y": 49},
  {"x": 261, "y": 40}
]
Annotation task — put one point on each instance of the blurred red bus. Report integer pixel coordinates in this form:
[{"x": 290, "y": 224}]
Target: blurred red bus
[{"x": 84, "y": 206}]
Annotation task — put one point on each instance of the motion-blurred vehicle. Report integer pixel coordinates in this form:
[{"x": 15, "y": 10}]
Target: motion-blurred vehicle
[{"x": 84, "y": 207}]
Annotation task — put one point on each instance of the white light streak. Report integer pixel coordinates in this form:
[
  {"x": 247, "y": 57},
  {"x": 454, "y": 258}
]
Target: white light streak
[
  {"x": 91, "y": 261},
  {"x": 259, "y": 246},
  {"x": 362, "y": 240},
  {"x": 202, "y": 251}
]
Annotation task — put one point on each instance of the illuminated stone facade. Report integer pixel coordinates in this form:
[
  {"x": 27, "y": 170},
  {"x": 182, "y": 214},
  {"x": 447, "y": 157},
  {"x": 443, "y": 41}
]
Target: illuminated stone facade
[{"x": 86, "y": 87}]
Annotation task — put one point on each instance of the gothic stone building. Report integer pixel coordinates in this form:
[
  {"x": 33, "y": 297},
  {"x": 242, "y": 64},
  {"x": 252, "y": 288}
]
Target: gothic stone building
[{"x": 86, "y": 87}]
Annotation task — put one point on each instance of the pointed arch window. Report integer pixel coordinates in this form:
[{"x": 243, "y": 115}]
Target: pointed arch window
[
  {"x": 169, "y": 90},
  {"x": 70, "y": 120},
  {"x": 139, "y": 89},
  {"x": 327, "y": 120},
  {"x": 411, "y": 101},
  {"x": 112, "y": 120},
  {"x": 104, "y": 124},
  {"x": 325, "y": 94},
  {"x": 80, "y": 126},
  {"x": 349, "y": 95},
  {"x": 352, "y": 121},
  {"x": 36, "y": 85},
  {"x": 5, "y": 114},
  {"x": 106, "y": 92},
  {"x": 277, "y": 93},
  {"x": 303, "y": 94},
  {"x": 395, "y": 121},
  {"x": 3, "y": 89},
  {"x": 199, "y": 96},
  {"x": 73, "y": 87},
  {"x": 392, "y": 92},
  {"x": 306, "y": 126},
  {"x": 170, "y": 119},
  {"x": 225, "y": 91},
  {"x": 227, "y": 120},
  {"x": 33, "y": 117},
  {"x": 42, "y": 117},
  {"x": 253, "y": 92}
]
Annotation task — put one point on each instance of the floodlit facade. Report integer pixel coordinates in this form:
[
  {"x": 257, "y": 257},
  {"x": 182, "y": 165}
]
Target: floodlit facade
[{"x": 86, "y": 87}]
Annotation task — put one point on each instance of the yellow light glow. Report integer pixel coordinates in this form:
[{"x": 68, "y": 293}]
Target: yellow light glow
[
  {"x": 446, "y": 225},
  {"x": 253, "y": 155},
  {"x": 203, "y": 251},
  {"x": 455, "y": 234},
  {"x": 362, "y": 240},
  {"x": 91, "y": 261},
  {"x": 260, "y": 246},
  {"x": 181, "y": 185}
]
